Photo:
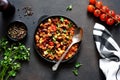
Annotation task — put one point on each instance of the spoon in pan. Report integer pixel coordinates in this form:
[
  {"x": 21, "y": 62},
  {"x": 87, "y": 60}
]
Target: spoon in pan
[{"x": 77, "y": 37}]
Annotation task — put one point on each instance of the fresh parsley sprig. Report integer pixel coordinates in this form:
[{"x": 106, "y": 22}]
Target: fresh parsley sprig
[{"x": 12, "y": 55}]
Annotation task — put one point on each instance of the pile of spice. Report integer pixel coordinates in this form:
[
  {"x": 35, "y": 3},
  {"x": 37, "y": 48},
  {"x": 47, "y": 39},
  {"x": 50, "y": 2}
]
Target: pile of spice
[
  {"x": 28, "y": 11},
  {"x": 17, "y": 32}
]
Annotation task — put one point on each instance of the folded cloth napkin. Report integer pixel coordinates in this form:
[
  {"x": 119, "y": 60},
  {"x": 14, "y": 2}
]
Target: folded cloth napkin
[{"x": 109, "y": 52}]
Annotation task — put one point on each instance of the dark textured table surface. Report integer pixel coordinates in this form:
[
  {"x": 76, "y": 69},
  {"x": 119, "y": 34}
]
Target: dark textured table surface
[{"x": 36, "y": 68}]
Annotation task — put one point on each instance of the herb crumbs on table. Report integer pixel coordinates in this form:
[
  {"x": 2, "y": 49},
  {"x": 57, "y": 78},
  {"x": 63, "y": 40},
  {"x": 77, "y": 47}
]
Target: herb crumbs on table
[
  {"x": 76, "y": 67},
  {"x": 75, "y": 72},
  {"x": 69, "y": 8}
]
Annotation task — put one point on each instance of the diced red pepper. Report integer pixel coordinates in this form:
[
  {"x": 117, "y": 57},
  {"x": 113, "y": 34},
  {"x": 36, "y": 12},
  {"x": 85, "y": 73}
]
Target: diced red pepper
[
  {"x": 53, "y": 28},
  {"x": 51, "y": 43}
]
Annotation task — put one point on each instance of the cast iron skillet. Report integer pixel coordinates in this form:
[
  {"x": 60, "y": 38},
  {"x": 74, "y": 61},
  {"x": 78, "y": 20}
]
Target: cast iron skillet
[{"x": 41, "y": 20}]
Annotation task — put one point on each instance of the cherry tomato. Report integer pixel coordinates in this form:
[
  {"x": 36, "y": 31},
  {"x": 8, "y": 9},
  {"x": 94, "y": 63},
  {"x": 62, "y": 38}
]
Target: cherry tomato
[
  {"x": 97, "y": 13},
  {"x": 111, "y": 13},
  {"x": 90, "y": 8},
  {"x": 98, "y": 4},
  {"x": 92, "y": 2},
  {"x": 103, "y": 17},
  {"x": 105, "y": 9},
  {"x": 110, "y": 21},
  {"x": 51, "y": 43},
  {"x": 117, "y": 17}
]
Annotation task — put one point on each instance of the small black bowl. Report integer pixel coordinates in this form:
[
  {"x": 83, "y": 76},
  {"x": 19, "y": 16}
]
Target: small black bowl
[
  {"x": 41, "y": 20},
  {"x": 17, "y": 31}
]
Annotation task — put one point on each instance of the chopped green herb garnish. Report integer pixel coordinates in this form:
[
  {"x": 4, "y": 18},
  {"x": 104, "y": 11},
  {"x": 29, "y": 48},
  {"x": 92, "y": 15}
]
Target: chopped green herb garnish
[
  {"x": 64, "y": 30},
  {"x": 77, "y": 65},
  {"x": 48, "y": 50},
  {"x": 75, "y": 72},
  {"x": 54, "y": 39},
  {"x": 61, "y": 19},
  {"x": 70, "y": 25},
  {"x": 69, "y": 8}
]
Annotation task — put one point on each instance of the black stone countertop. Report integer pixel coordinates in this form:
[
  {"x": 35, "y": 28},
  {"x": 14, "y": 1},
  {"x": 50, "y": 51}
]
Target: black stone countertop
[{"x": 37, "y": 69}]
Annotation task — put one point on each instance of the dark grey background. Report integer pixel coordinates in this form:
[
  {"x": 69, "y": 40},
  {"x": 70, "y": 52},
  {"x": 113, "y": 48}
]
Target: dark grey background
[{"x": 37, "y": 69}]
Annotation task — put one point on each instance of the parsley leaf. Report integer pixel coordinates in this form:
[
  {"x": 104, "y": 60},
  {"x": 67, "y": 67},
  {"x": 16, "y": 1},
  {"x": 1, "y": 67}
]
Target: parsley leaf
[
  {"x": 75, "y": 72},
  {"x": 77, "y": 65},
  {"x": 61, "y": 19},
  {"x": 69, "y": 8}
]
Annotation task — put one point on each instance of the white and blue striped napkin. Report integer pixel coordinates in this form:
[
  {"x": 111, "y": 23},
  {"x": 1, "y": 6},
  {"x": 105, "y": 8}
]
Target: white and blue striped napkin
[{"x": 109, "y": 52}]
